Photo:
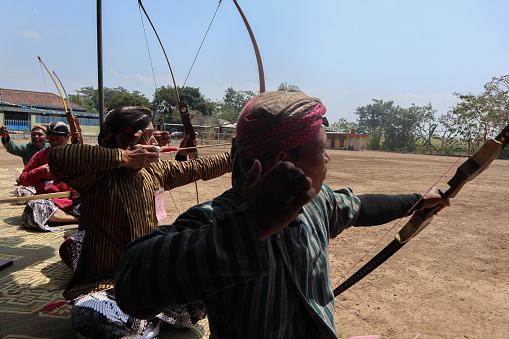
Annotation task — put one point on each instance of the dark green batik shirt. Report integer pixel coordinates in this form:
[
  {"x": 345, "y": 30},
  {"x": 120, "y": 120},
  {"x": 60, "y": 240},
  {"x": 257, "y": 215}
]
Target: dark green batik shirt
[{"x": 276, "y": 288}]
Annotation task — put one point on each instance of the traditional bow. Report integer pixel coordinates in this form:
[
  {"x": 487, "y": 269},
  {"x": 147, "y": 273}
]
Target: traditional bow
[
  {"x": 182, "y": 105},
  {"x": 470, "y": 169},
  {"x": 72, "y": 120},
  {"x": 261, "y": 75}
]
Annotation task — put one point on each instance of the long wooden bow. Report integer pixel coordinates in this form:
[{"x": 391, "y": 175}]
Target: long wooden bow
[
  {"x": 72, "y": 120},
  {"x": 470, "y": 169},
  {"x": 182, "y": 105},
  {"x": 261, "y": 75}
]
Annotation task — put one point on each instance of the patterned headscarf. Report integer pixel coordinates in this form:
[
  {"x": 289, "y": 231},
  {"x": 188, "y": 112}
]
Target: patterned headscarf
[
  {"x": 272, "y": 122},
  {"x": 125, "y": 120},
  {"x": 41, "y": 127},
  {"x": 57, "y": 128}
]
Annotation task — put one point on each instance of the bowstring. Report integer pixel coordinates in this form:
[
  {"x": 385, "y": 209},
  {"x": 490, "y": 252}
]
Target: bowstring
[
  {"x": 198, "y": 52},
  {"x": 43, "y": 78},
  {"x": 185, "y": 81},
  {"x": 493, "y": 124},
  {"x": 148, "y": 48},
  {"x": 155, "y": 84}
]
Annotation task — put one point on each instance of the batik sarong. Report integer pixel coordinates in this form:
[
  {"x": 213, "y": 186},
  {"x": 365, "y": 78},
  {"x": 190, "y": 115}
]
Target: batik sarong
[
  {"x": 37, "y": 213},
  {"x": 24, "y": 191},
  {"x": 70, "y": 250},
  {"x": 97, "y": 315}
]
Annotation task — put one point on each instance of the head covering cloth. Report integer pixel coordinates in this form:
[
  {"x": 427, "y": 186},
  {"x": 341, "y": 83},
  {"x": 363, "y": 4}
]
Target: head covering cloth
[
  {"x": 272, "y": 122},
  {"x": 125, "y": 120},
  {"x": 41, "y": 127},
  {"x": 57, "y": 128}
]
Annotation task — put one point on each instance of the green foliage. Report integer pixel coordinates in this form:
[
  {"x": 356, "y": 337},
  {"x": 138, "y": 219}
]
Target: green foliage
[
  {"x": 237, "y": 99},
  {"x": 426, "y": 127},
  {"x": 473, "y": 115},
  {"x": 196, "y": 100},
  {"x": 232, "y": 103},
  {"x": 394, "y": 128},
  {"x": 288, "y": 88},
  {"x": 113, "y": 98},
  {"x": 228, "y": 113},
  {"x": 372, "y": 116},
  {"x": 127, "y": 99},
  {"x": 373, "y": 140},
  {"x": 342, "y": 125},
  {"x": 399, "y": 127},
  {"x": 79, "y": 101},
  {"x": 88, "y": 98},
  {"x": 165, "y": 103}
]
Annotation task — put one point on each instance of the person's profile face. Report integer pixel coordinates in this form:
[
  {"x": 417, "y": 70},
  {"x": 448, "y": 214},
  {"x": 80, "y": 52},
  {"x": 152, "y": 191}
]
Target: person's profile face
[{"x": 313, "y": 159}]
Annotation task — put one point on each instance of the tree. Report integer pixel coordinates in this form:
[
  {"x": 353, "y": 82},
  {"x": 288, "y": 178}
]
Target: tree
[
  {"x": 373, "y": 116},
  {"x": 89, "y": 98},
  {"x": 396, "y": 128},
  {"x": 373, "y": 141},
  {"x": 164, "y": 101},
  {"x": 76, "y": 98},
  {"x": 127, "y": 99},
  {"x": 232, "y": 103},
  {"x": 426, "y": 125},
  {"x": 472, "y": 117},
  {"x": 113, "y": 97},
  {"x": 498, "y": 91},
  {"x": 227, "y": 112},
  {"x": 399, "y": 128},
  {"x": 237, "y": 99},
  {"x": 196, "y": 100},
  {"x": 288, "y": 88},
  {"x": 342, "y": 125}
]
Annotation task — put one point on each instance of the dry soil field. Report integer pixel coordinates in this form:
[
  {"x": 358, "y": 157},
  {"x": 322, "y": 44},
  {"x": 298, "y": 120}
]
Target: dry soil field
[{"x": 451, "y": 281}]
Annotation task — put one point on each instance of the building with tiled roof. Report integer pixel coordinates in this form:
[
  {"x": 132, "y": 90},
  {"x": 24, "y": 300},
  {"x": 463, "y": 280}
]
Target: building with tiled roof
[{"x": 20, "y": 110}]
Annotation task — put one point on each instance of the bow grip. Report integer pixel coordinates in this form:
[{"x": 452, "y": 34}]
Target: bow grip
[
  {"x": 188, "y": 129},
  {"x": 417, "y": 222}
]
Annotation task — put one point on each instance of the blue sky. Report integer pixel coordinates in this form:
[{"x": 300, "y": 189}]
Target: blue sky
[{"x": 344, "y": 52}]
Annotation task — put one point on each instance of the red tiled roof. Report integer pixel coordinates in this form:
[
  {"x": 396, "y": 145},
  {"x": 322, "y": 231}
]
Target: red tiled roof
[{"x": 30, "y": 98}]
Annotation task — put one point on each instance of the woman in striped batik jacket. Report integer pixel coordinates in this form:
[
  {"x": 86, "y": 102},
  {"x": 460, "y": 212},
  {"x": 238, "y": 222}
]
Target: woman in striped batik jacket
[{"x": 119, "y": 182}]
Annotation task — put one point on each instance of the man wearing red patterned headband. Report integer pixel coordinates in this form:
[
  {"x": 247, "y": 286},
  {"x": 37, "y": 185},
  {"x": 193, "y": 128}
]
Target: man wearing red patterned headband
[
  {"x": 258, "y": 254},
  {"x": 120, "y": 183}
]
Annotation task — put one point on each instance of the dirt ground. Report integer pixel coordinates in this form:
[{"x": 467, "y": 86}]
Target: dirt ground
[{"x": 451, "y": 281}]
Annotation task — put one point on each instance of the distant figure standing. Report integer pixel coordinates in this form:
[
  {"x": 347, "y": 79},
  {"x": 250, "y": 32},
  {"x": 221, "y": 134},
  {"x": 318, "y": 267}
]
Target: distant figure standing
[{"x": 120, "y": 184}]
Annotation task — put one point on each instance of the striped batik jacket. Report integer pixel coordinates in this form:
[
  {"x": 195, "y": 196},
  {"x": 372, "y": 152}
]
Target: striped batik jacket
[
  {"x": 276, "y": 288},
  {"x": 118, "y": 204}
]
